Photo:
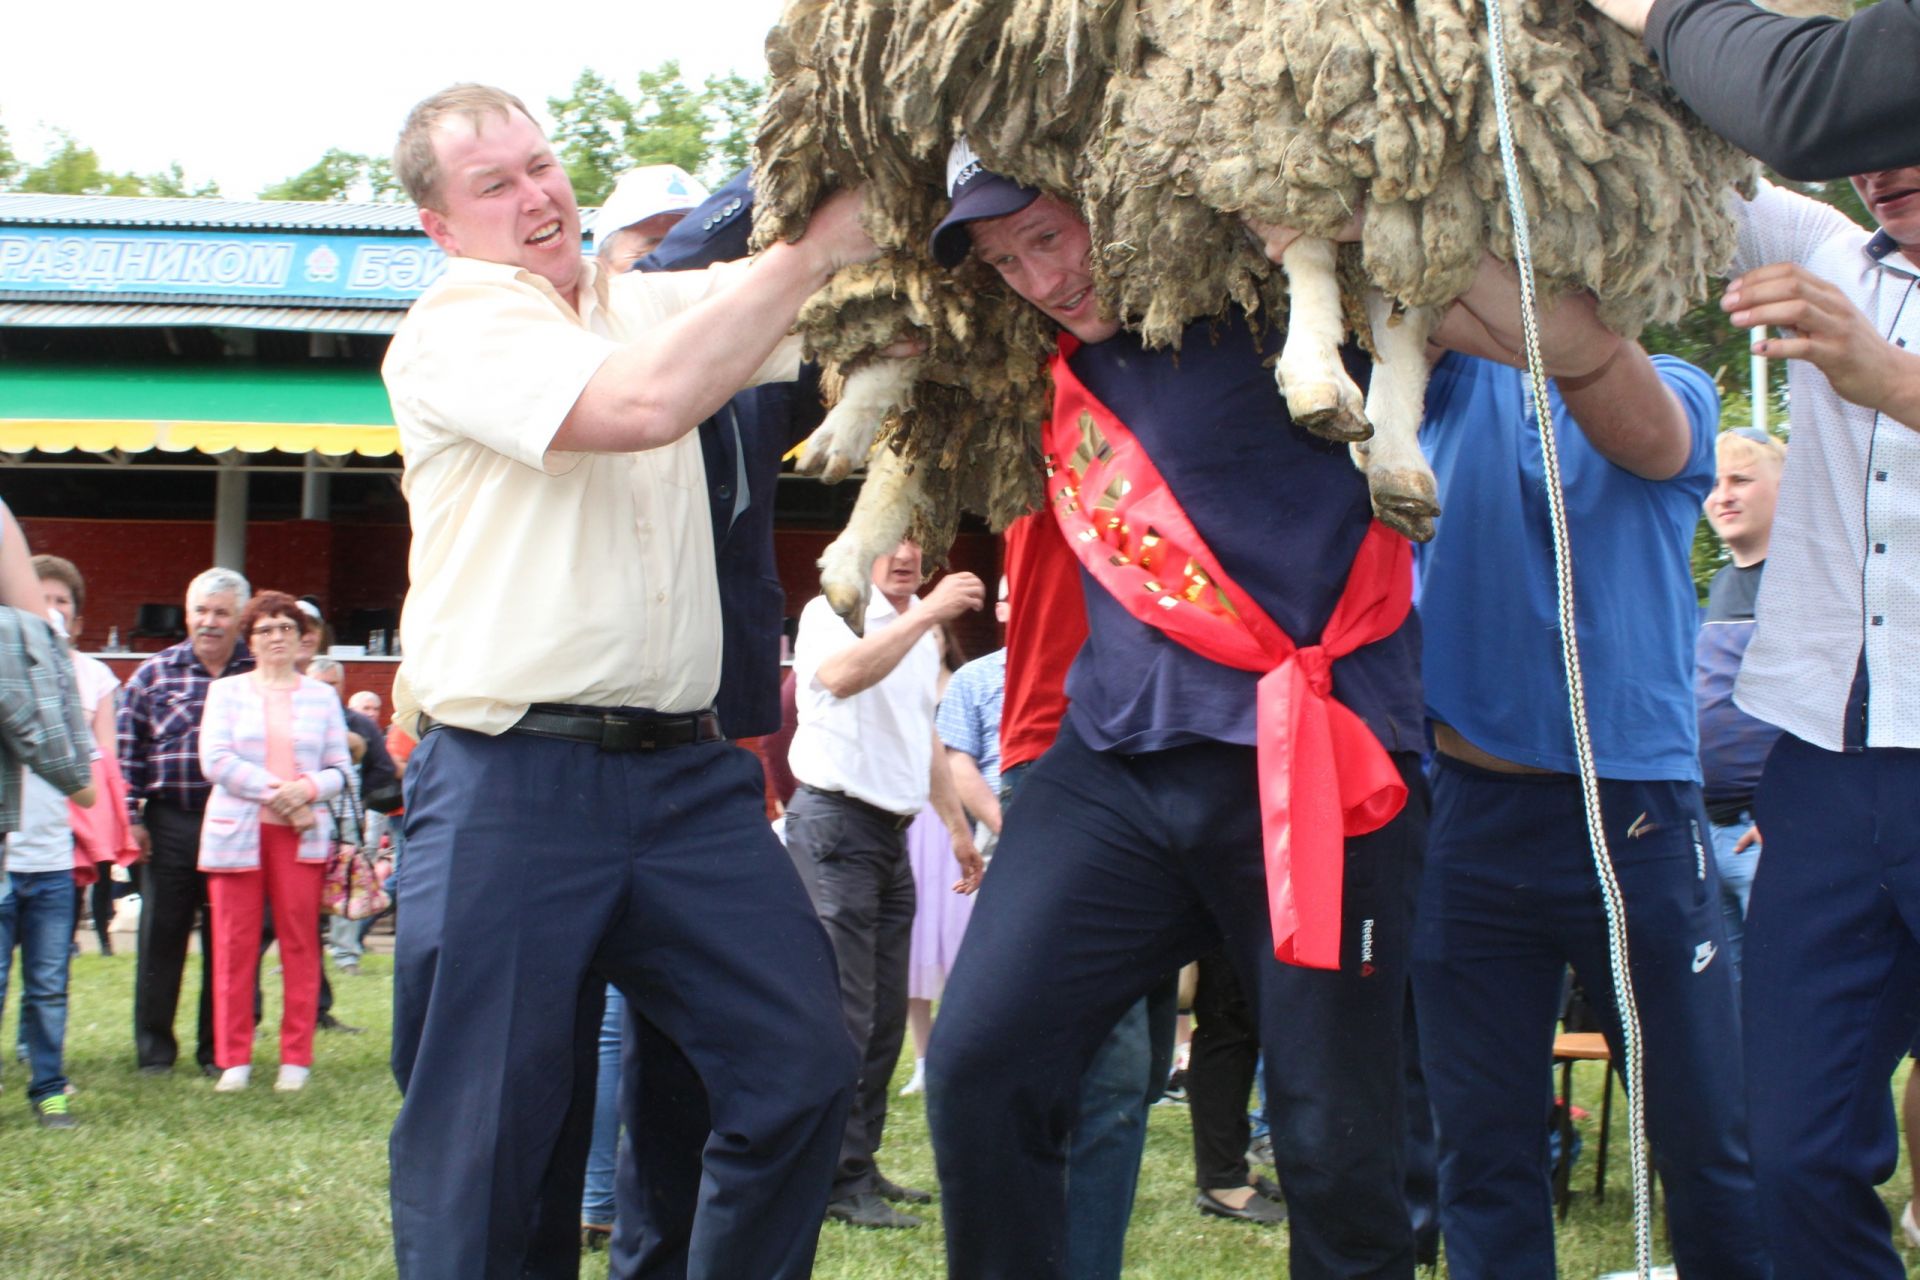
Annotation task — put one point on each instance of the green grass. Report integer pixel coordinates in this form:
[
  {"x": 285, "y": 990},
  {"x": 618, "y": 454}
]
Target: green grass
[{"x": 165, "y": 1179}]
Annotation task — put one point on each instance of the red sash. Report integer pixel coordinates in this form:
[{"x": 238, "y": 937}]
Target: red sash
[{"x": 1323, "y": 775}]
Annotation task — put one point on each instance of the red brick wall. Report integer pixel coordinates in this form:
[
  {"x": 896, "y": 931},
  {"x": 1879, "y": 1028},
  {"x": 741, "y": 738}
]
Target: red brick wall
[{"x": 128, "y": 563}]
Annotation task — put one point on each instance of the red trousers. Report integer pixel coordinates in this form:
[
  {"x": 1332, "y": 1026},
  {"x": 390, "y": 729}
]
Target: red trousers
[{"x": 293, "y": 887}]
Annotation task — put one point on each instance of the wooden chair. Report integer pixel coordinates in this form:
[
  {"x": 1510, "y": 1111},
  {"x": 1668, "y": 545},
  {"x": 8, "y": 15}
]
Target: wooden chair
[{"x": 1570, "y": 1047}]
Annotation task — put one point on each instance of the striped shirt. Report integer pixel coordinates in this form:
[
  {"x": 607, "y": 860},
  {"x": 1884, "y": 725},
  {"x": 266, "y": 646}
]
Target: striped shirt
[
  {"x": 969, "y": 716},
  {"x": 1842, "y": 591},
  {"x": 160, "y": 727}
]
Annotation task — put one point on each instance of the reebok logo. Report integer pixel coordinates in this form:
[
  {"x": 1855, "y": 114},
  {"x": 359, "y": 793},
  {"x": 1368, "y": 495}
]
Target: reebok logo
[
  {"x": 1366, "y": 948},
  {"x": 1640, "y": 827},
  {"x": 1703, "y": 956}
]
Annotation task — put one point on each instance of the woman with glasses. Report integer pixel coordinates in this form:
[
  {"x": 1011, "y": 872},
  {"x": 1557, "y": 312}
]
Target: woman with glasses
[{"x": 274, "y": 746}]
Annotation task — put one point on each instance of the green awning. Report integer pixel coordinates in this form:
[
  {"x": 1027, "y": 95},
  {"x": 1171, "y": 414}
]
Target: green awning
[{"x": 211, "y": 408}]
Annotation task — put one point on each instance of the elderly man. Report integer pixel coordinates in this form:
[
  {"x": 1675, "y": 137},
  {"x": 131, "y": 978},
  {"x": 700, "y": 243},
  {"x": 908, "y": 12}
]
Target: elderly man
[
  {"x": 1830, "y": 978},
  {"x": 575, "y": 813},
  {"x": 367, "y": 703},
  {"x": 867, "y": 760},
  {"x": 645, "y": 205},
  {"x": 1136, "y": 844},
  {"x": 166, "y": 796}
]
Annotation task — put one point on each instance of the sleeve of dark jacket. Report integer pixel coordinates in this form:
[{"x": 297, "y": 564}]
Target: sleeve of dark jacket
[{"x": 1815, "y": 98}]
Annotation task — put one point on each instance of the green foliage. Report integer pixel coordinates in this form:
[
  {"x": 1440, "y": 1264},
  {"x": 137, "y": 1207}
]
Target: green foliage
[
  {"x": 336, "y": 175},
  {"x": 9, "y": 163},
  {"x": 173, "y": 182},
  {"x": 601, "y": 132},
  {"x": 75, "y": 170}
]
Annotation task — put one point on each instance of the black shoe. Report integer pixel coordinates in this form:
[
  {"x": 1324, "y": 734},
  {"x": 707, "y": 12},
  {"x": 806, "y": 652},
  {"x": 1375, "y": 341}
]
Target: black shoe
[
  {"x": 868, "y": 1210},
  {"x": 1257, "y": 1209},
  {"x": 210, "y": 1071},
  {"x": 1267, "y": 1188},
  {"x": 330, "y": 1023},
  {"x": 157, "y": 1069},
  {"x": 595, "y": 1238},
  {"x": 887, "y": 1189}
]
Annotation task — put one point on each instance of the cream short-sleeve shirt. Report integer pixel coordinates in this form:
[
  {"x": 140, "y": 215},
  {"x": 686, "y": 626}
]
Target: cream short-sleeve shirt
[{"x": 539, "y": 575}]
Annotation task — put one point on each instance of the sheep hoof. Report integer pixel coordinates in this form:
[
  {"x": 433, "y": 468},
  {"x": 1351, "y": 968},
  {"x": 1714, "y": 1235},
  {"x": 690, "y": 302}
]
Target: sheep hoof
[
  {"x": 1329, "y": 410},
  {"x": 822, "y": 456},
  {"x": 1405, "y": 502},
  {"x": 850, "y": 602}
]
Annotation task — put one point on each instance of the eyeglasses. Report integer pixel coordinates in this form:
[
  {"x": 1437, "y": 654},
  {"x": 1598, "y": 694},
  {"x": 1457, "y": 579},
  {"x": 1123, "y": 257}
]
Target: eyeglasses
[{"x": 275, "y": 629}]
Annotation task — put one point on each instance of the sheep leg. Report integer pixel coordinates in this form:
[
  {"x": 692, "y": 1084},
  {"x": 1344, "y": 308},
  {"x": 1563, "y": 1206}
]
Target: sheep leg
[
  {"x": 1398, "y": 477},
  {"x": 881, "y": 517},
  {"x": 841, "y": 442},
  {"x": 1320, "y": 396}
]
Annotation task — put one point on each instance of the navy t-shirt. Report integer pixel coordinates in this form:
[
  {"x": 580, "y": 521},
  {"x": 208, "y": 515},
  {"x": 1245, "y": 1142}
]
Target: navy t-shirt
[{"x": 1283, "y": 512}]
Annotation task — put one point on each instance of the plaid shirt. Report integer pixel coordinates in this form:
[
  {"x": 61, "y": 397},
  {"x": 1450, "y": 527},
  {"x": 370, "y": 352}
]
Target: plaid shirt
[
  {"x": 160, "y": 727},
  {"x": 41, "y": 724}
]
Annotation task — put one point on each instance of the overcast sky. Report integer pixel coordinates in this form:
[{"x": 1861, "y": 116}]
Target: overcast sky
[{"x": 250, "y": 93}]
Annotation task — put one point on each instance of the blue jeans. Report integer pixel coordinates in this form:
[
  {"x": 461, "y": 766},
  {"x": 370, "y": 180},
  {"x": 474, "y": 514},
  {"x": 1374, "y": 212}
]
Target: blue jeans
[
  {"x": 596, "y": 1203},
  {"x": 36, "y": 911},
  {"x": 1736, "y": 881}
]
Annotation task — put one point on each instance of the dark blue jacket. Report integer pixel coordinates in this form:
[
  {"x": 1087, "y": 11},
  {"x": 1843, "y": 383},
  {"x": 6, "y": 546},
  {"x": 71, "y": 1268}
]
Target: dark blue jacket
[{"x": 743, "y": 445}]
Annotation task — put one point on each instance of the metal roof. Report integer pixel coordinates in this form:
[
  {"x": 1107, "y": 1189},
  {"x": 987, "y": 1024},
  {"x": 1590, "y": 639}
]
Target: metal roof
[
  {"x": 153, "y": 315},
  {"x": 162, "y": 211}
]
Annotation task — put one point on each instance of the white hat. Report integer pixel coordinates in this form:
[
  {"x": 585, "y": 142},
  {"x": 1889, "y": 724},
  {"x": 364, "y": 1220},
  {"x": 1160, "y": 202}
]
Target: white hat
[{"x": 644, "y": 193}]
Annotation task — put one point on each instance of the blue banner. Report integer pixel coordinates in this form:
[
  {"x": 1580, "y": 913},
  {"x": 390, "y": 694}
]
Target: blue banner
[{"x": 235, "y": 264}]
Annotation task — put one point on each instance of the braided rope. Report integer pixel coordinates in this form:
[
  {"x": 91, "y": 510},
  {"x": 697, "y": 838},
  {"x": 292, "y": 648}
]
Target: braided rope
[{"x": 1627, "y": 1004}]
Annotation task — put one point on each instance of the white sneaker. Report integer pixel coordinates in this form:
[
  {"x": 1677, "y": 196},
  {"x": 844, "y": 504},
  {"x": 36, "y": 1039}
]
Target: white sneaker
[
  {"x": 233, "y": 1080},
  {"x": 1909, "y": 1227},
  {"x": 292, "y": 1079},
  {"x": 919, "y": 1082}
]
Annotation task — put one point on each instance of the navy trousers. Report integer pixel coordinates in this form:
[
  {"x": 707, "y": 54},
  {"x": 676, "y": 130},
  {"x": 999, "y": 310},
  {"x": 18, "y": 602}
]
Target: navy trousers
[
  {"x": 535, "y": 866},
  {"x": 1831, "y": 1000},
  {"x": 1509, "y": 899},
  {"x": 1112, "y": 871}
]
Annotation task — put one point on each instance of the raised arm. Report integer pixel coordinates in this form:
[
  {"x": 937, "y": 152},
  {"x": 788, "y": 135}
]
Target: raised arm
[
  {"x": 655, "y": 390},
  {"x": 1813, "y": 97},
  {"x": 1609, "y": 384},
  {"x": 869, "y": 660}
]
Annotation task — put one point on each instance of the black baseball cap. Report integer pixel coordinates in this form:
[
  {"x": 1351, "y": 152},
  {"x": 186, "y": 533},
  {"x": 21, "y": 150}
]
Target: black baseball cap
[{"x": 977, "y": 192}]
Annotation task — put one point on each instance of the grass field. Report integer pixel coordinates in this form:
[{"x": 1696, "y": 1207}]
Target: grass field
[{"x": 165, "y": 1179}]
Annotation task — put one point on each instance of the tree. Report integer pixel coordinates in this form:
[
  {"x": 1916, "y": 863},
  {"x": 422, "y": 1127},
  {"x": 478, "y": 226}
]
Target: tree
[
  {"x": 602, "y": 132},
  {"x": 9, "y": 164},
  {"x": 74, "y": 170},
  {"x": 331, "y": 177},
  {"x": 173, "y": 182}
]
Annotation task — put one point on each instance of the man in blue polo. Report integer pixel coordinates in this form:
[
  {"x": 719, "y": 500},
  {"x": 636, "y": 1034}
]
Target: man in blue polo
[
  {"x": 1137, "y": 842},
  {"x": 1509, "y": 896}
]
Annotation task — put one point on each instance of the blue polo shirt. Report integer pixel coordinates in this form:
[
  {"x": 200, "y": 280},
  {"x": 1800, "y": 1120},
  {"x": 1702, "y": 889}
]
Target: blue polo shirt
[
  {"x": 1492, "y": 661},
  {"x": 1282, "y": 510}
]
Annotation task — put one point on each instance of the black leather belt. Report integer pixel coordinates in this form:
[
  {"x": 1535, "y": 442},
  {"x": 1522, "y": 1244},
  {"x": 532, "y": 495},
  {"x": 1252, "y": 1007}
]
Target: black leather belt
[
  {"x": 899, "y": 822},
  {"x": 611, "y": 729}
]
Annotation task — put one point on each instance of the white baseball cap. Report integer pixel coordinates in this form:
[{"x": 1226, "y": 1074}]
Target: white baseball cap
[{"x": 645, "y": 193}]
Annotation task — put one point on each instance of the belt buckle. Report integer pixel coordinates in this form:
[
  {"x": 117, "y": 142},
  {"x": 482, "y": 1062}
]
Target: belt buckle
[{"x": 619, "y": 733}]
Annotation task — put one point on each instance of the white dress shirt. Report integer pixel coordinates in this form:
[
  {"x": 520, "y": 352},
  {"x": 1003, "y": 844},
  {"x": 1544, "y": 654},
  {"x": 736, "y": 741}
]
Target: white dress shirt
[
  {"x": 539, "y": 575},
  {"x": 876, "y": 746},
  {"x": 1843, "y": 566}
]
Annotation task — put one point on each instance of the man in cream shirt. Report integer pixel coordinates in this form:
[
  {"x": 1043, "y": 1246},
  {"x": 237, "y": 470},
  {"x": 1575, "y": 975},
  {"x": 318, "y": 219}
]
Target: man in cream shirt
[
  {"x": 868, "y": 762},
  {"x": 574, "y": 811}
]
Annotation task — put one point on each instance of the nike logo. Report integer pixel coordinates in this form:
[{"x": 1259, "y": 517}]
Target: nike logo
[
  {"x": 1640, "y": 827},
  {"x": 1703, "y": 955}
]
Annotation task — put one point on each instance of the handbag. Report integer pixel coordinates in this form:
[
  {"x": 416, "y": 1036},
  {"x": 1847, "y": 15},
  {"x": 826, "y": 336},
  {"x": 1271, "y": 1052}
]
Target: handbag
[{"x": 351, "y": 887}]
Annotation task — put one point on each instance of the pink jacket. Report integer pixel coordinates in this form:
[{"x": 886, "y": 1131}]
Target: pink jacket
[{"x": 233, "y": 747}]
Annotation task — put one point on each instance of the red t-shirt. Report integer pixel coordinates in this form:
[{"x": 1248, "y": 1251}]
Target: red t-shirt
[{"x": 1046, "y": 625}]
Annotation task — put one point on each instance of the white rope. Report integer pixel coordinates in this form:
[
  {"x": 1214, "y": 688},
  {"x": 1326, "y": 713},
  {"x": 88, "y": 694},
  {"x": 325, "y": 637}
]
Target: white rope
[{"x": 1627, "y": 1005}]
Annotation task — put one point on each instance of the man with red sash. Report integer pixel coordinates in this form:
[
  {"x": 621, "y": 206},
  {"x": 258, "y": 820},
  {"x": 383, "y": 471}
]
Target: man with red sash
[{"x": 1237, "y": 769}]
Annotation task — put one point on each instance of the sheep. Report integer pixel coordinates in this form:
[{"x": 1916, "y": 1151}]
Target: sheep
[{"x": 1170, "y": 124}]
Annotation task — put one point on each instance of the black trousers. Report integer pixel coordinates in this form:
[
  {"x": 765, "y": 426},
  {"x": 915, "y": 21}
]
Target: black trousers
[
  {"x": 855, "y": 866},
  {"x": 173, "y": 906},
  {"x": 1112, "y": 870},
  {"x": 1226, "y": 1053}
]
